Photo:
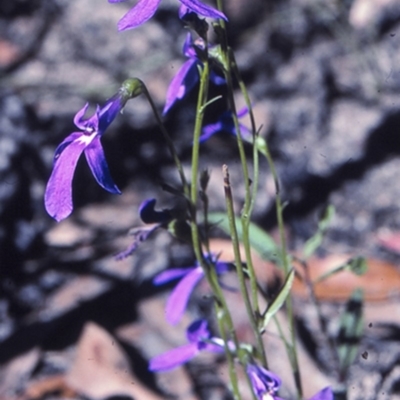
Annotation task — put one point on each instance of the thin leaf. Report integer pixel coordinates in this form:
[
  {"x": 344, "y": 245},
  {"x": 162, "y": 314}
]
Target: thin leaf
[
  {"x": 315, "y": 241},
  {"x": 357, "y": 265},
  {"x": 260, "y": 240},
  {"x": 277, "y": 303}
]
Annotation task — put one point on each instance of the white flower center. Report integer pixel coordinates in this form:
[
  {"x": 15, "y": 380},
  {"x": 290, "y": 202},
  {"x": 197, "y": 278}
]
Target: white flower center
[{"x": 87, "y": 139}]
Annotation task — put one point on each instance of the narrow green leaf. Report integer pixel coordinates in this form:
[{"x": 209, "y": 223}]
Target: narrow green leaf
[
  {"x": 312, "y": 244},
  {"x": 277, "y": 303},
  {"x": 260, "y": 241},
  {"x": 326, "y": 219},
  {"x": 357, "y": 265},
  {"x": 315, "y": 241}
]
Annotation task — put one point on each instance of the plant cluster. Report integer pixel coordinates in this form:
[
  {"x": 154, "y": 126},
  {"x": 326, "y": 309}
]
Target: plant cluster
[{"x": 207, "y": 63}]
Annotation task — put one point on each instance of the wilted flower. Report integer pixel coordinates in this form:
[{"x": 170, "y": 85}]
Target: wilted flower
[
  {"x": 150, "y": 216},
  {"x": 145, "y": 9},
  {"x": 190, "y": 277},
  {"x": 188, "y": 75},
  {"x": 199, "y": 338}
]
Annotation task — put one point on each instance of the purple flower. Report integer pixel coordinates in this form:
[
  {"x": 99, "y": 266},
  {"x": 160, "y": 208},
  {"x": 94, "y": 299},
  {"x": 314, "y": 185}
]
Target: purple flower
[
  {"x": 226, "y": 124},
  {"x": 188, "y": 75},
  {"x": 140, "y": 235},
  {"x": 58, "y": 195},
  {"x": 150, "y": 216},
  {"x": 199, "y": 338},
  {"x": 145, "y": 9},
  {"x": 324, "y": 394},
  {"x": 179, "y": 298},
  {"x": 264, "y": 382},
  {"x": 266, "y": 385}
]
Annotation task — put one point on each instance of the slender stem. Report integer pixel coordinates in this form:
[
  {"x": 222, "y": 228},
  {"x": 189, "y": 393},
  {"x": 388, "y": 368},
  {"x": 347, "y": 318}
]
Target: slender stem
[
  {"x": 292, "y": 349},
  {"x": 254, "y": 132},
  {"x": 170, "y": 143},
  {"x": 203, "y": 92},
  {"x": 256, "y": 170},
  {"x": 206, "y": 222},
  {"x": 225, "y": 325},
  {"x": 246, "y": 212},
  {"x": 238, "y": 262},
  {"x": 328, "y": 341},
  {"x": 202, "y": 98},
  {"x": 224, "y": 318},
  {"x": 285, "y": 266}
]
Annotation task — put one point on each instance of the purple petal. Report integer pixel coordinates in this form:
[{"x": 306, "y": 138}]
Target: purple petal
[
  {"x": 108, "y": 112},
  {"x": 182, "y": 83},
  {"x": 179, "y": 297},
  {"x": 58, "y": 195},
  {"x": 263, "y": 381},
  {"x": 210, "y": 130},
  {"x": 324, "y": 394},
  {"x": 198, "y": 331},
  {"x": 116, "y": 1},
  {"x": 169, "y": 275},
  {"x": 65, "y": 143},
  {"x": 78, "y": 119},
  {"x": 216, "y": 79},
  {"x": 222, "y": 267},
  {"x": 150, "y": 216},
  {"x": 138, "y": 15},
  {"x": 188, "y": 49},
  {"x": 173, "y": 358},
  {"x": 97, "y": 162},
  {"x": 246, "y": 133},
  {"x": 206, "y": 11},
  {"x": 139, "y": 235},
  {"x": 242, "y": 112},
  {"x": 217, "y": 347},
  {"x": 183, "y": 10},
  {"x": 145, "y": 204}
]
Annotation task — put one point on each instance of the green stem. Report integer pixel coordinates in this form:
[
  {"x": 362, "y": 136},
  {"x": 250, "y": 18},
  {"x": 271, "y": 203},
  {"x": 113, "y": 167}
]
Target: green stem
[
  {"x": 246, "y": 212},
  {"x": 201, "y": 101},
  {"x": 285, "y": 264},
  {"x": 224, "y": 318},
  {"x": 249, "y": 195},
  {"x": 292, "y": 349},
  {"x": 225, "y": 324},
  {"x": 238, "y": 262},
  {"x": 169, "y": 141},
  {"x": 256, "y": 171},
  {"x": 328, "y": 341}
]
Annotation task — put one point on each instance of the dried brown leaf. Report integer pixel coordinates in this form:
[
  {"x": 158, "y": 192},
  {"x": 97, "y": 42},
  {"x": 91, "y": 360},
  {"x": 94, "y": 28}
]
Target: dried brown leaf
[{"x": 101, "y": 368}]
